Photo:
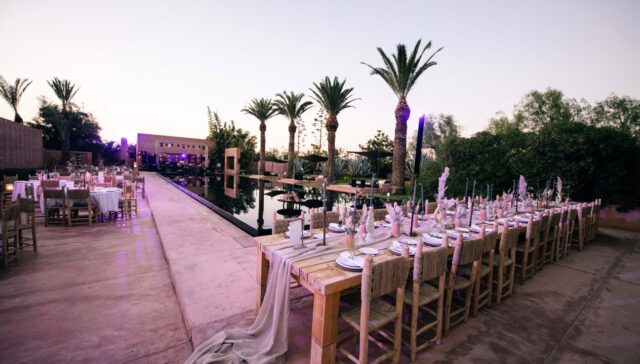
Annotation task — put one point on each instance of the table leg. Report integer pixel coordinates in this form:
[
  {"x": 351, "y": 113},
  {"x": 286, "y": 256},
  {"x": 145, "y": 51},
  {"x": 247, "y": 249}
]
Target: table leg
[
  {"x": 324, "y": 330},
  {"x": 261, "y": 276}
]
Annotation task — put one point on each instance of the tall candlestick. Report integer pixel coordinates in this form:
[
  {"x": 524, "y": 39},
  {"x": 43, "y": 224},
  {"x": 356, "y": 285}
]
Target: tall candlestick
[
  {"x": 324, "y": 212},
  {"x": 413, "y": 207},
  {"x": 466, "y": 186},
  {"x": 371, "y": 197}
]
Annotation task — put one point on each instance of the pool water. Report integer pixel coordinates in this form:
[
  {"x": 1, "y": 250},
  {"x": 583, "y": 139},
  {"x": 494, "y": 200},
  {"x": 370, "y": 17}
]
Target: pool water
[{"x": 252, "y": 204}]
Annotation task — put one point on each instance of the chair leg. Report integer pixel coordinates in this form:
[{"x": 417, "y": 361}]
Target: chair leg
[
  {"x": 33, "y": 233},
  {"x": 440, "y": 309},
  {"x": 500, "y": 282}
]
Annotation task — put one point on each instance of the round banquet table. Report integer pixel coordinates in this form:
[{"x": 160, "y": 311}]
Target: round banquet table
[
  {"x": 19, "y": 189},
  {"x": 106, "y": 199}
]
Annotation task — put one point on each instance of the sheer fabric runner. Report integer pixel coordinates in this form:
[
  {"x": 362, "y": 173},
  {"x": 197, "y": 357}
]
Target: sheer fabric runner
[{"x": 266, "y": 340}]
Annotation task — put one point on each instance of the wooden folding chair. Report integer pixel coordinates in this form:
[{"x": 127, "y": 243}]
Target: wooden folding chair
[
  {"x": 79, "y": 201},
  {"x": 578, "y": 237},
  {"x": 55, "y": 206},
  {"x": 543, "y": 245}
]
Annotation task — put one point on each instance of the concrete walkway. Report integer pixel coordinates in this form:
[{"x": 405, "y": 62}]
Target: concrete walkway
[
  {"x": 212, "y": 262},
  {"x": 92, "y": 294}
]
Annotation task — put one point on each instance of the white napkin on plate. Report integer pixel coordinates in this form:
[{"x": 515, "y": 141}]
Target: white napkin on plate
[{"x": 295, "y": 233}]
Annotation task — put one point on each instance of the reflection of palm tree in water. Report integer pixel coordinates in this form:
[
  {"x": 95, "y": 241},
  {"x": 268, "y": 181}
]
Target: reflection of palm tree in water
[{"x": 260, "y": 205}]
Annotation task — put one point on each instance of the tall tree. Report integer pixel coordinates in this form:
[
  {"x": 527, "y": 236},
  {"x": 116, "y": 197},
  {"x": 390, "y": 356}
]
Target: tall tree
[
  {"x": 318, "y": 125},
  {"x": 333, "y": 97},
  {"x": 225, "y": 135},
  {"x": 262, "y": 109},
  {"x": 65, "y": 91},
  {"x": 13, "y": 93},
  {"x": 619, "y": 112},
  {"x": 401, "y": 75},
  {"x": 540, "y": 108},
  {"x": 292, "y": 106}
]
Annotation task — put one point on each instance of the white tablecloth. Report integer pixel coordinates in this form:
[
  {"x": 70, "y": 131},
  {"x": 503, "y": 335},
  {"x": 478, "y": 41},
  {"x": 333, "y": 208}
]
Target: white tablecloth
[
  {"x": 105, "y": 200},
  {"x": 19, "y": 189}
]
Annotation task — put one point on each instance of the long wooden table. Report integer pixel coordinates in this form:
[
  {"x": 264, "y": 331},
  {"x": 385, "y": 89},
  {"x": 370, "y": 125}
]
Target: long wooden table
[{"x": 322, "y": 277}]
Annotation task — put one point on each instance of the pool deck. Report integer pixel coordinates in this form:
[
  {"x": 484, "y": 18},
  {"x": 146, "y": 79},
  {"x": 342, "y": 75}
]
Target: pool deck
[{"x": 147, "y": 289}]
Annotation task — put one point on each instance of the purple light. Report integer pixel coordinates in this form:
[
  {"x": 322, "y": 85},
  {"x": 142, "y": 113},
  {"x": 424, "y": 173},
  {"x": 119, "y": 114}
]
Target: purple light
[{"x": 184, "y": 155}]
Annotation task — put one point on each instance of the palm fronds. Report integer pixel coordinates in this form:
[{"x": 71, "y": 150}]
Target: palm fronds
[
  {"x": 332, "y": 96},
  {"x": 262, "y": 109},
  {"x": 403, "y": 71},
  {"x": 291, "y": 104},
  {"x": 64, "y": 90},
  {"x": 13, "y": 93}
]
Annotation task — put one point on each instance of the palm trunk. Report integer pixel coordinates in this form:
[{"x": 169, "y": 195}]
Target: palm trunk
[
  {"x": 18, "y": 118},
  {"x": 400, "y": 147},
  {"x": 263, "y": 129},
  {"x": 332, "y": 127},
  {"x": 292, "y": 146},
  {"x": 65, "y": 148}
]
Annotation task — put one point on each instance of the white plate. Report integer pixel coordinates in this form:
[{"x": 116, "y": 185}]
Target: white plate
[
  {"x": 337, "y": 228},
  {"x": 463, "y": 230},
  {"x": 431, "y": 241},
  {"x": 454, "y": 235},
  {"x": 408, "y": 241},
  {"x": 397, "y": 248},
  {"x": 436, "y": 235},
  {"x": 305, "y": 234},
  {"x": 368, "y": 250}
]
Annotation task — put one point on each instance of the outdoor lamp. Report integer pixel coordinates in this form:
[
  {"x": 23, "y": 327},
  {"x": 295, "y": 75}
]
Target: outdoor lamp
[{"x": 8, "y": 187}]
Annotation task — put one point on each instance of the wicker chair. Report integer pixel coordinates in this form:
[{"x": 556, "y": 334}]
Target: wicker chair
[
  {"x": 10, "y": 217},
  {"x": 549, "y": 255},
  {"x": 560, "y": 234},
  {"x": 27, "y": 208},
  {"x": 504, "y": 268},
  {"x": 55, "y": 206},
  {"x": 128, "y": 201},
  {"x": 578, "y": 238},
  {"x": 543, "y": 246},
  {"x": 383, "y": 278},
  {"x": 569, "y": 226},
  {"x": 281, "y": 226},
  {"x": 595, "y": 219},
  {"x": 316, "y": 220},
  {"x": 79, "y": 201},
  {"x": 458, "y": 306},
  {"x": 483, "y": 288},
  {"x": 429, "y": 264},
  {"x": 527, "y": 252}
]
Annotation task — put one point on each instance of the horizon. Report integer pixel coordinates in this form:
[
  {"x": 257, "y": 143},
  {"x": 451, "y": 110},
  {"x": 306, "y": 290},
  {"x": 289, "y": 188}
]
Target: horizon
[{"x": 154, "y": 68}]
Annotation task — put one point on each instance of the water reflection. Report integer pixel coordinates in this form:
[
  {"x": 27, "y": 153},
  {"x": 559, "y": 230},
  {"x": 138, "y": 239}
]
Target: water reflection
[{"x": 238, "y": 197}]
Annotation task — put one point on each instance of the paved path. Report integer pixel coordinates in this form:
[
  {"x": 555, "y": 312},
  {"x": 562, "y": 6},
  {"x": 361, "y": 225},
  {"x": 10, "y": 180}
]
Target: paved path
[
  {"x": 212, "y": 262},
  {"x": 98, "y": 294}
]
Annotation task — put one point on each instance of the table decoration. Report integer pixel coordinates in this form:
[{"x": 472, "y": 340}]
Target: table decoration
[{"x": 395, "y": 214}]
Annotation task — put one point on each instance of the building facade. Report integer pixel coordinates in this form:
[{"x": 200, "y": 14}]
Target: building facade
[
  {"x": 20, "y": 146},
  {"x": 165, "y": 149}
]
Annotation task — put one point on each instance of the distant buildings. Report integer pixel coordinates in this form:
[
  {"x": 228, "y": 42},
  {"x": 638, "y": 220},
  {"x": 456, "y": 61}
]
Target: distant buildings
[{"x": 164, "y": 149}]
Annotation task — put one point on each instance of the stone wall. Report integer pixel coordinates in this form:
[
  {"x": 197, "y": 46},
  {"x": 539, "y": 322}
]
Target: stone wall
[{"x": 20, "y": 146}]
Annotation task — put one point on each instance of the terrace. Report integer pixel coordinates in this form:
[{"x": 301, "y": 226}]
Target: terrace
[{"x": 141, "y": 290}]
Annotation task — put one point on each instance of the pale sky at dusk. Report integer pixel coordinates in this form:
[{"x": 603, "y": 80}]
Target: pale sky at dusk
[{"x": 154, "y": 66}]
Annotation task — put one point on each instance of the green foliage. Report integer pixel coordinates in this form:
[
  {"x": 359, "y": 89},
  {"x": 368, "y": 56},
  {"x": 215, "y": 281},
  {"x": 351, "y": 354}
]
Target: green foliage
[
  {"x": 593, "y": 161},
  {"x": 333, "y": 96},
  {"x": 380, "y": 142},
  {"x": 12, "y": 94},
  {"x": 339, "y": 165},
  {"x": 262, "y": 109},
  {"x": 618, "y": 112},
  {"x": 359, "y": 166},
  {"x": 291, "y": 104},
  {"x": 225, "y": 135},
  {"x": 402, "y": 73}
]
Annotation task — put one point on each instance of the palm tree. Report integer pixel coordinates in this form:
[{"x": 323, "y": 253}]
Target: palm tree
[
  {"x": 291, "y": 105},
  {"x": 401, "y": 74},
  {"x": 262, "y": 109},
  {"x": 65, "y": 91},
  {"x": 333, "y": 97},
  {"x": 13, "y": 93}
]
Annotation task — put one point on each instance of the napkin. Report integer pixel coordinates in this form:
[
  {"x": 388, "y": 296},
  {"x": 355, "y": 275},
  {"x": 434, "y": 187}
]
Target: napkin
[{"x": 295, "y": 233}]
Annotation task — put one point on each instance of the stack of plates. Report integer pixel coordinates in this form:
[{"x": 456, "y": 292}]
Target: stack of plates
[
  {"x": 346, "y": 261},
  {"x": 396, "y": 248},
  {"x": 431, "y": 240},
  {"x": 511, "y": 222},
  {"x": 476, "y": 229},
  {"x": 337, "y": 228},
  {"x": 406, "y": 240}
]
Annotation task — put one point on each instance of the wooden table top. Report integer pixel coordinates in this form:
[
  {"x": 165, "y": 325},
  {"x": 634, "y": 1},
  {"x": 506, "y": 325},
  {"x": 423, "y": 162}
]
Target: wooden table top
[{"x": 321, "y": 273}]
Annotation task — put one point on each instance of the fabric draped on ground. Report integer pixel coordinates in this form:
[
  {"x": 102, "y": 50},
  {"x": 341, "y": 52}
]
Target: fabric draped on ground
[{"x": 266, "y": 340}]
